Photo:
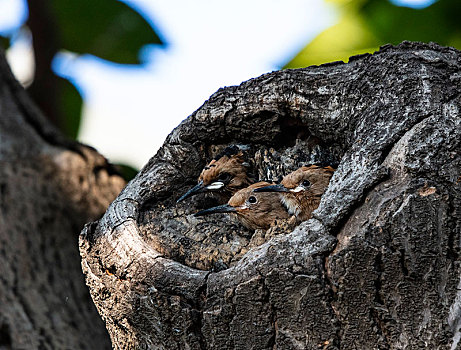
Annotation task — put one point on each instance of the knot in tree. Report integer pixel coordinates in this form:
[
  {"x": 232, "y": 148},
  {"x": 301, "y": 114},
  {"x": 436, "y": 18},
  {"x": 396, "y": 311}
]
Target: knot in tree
[{"x": 375, "y": 266}]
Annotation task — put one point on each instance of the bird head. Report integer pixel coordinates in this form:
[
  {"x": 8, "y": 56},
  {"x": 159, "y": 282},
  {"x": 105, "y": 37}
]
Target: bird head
[
  {"x": 301, "y": 189},
  {"x": 308, "y": 180},
  {"x": 254, "y": 210},
  {"x": 227, "y": 173}
]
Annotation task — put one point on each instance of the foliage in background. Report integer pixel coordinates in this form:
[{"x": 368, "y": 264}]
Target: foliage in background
[
  {"x": 107, "y": 29},
  {"x": 4, "y": 42},
  {"x": 365, "y": 25}
]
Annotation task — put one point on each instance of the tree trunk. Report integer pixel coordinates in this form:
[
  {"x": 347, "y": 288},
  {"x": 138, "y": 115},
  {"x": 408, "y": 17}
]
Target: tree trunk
[
  {"x": 377, "y": 267},
  {"x": 49, "y": 188}
]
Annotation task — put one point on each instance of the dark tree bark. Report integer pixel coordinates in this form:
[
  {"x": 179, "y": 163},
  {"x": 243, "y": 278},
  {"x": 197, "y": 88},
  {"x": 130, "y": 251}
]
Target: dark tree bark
[
  {"x": 49, "y": 188},
  {"x": 376, "y": 268}
]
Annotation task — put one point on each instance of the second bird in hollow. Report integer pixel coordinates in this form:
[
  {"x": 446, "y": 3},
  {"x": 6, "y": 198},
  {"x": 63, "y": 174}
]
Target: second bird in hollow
[
  {"x": 302, "y": 189},
  {"x": 253, "y": 210}
]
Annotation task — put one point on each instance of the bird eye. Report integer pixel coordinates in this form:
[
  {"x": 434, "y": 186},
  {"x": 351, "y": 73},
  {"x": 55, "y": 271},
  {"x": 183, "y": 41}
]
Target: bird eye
[
  {"x": 252, "y": 200},
  {"x": 224, "y": 177},
  {"x": 306, "y": 183}
]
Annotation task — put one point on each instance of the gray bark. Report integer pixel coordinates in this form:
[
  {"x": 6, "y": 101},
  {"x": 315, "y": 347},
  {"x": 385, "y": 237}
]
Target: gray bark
[
  {"x": 49, "y": 188},
  {"x": 377, "y": 267}
]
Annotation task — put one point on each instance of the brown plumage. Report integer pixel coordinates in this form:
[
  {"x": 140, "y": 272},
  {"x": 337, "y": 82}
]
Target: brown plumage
[
  {"x": 253, "y": 210},
  {"x": 226, "y": 174},
  {"x": 302, "y": 189}
]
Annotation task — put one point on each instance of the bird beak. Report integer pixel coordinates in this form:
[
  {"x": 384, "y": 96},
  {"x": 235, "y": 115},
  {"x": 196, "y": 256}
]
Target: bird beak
[
  {"x": 226, "y": 208},
  {"x": 272, "y": 188},
  {"x": 193, "y": 191}
]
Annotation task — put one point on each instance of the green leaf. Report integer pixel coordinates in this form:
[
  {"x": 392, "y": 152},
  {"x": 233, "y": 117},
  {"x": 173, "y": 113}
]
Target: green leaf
[
  {"x": 365, "y": 25},
  {"x": 393, "y": 24},
  {"x": 350, "y": 36},
  {"x": 4, "y": 42},
  {"x": 108, "y": 29},
  {"x": 70, "y": 108}
]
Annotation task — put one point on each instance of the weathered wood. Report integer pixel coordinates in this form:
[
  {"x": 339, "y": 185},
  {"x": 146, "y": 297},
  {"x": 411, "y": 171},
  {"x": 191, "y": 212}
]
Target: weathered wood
[
  {"x": 49, "y": 188},
  {"x": 377, "y": 266}
]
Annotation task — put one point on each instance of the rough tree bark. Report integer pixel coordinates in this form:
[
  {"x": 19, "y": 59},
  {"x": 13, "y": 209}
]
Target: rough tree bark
[
  {"x": 49, "y": 188},
  {"x": 376, "y": 268}
]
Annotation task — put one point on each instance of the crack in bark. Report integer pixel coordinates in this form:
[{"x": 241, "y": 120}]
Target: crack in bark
[
  {"x": 273, "y": 317},
  {"x": 452, "y": 250},
  {"x": 381, "y": 324},
  {"x": 332, "y": 297},
  {"x": 201, "y": 292}
]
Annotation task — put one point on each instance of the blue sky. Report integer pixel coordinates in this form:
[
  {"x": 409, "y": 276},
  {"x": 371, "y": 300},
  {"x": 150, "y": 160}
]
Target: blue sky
[{"x": 128, "y": 112}]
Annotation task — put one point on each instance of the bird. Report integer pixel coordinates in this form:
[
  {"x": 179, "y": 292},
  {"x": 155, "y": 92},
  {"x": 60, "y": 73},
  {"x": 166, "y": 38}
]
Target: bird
[
  {"x": 253, "y": 210},
  {"x": 225, "y": 174},
  {"x": 302, "y": 189}
]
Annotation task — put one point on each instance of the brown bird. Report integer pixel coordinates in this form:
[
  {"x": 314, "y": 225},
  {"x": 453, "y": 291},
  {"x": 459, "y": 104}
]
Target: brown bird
[
  {"x": 226, "y": 174},
  {"x": 253, "y": 210},
  {"x": 302, "y": 189}
]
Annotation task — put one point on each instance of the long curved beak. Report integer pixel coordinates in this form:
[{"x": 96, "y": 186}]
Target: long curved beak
[
  {"x": 272, "y": 188},
  {"x": 226, "y": 208},
  {"x": 193, "y": 191}
]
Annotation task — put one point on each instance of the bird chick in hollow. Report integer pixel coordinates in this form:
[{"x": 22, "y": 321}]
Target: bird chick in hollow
[
  {"x": 225, "y": 174},
  {"x": 302, "y": 189},
  {"x": 253, "y": 210}
]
